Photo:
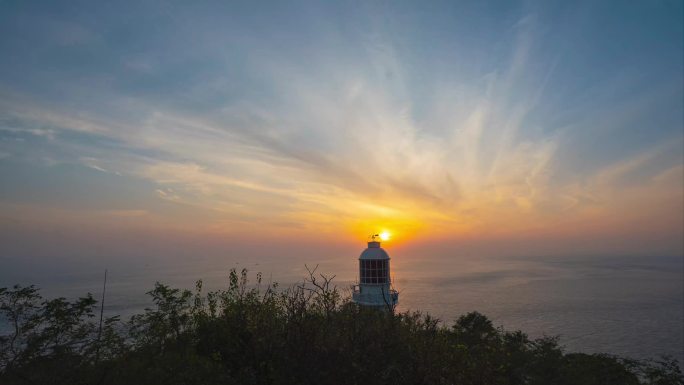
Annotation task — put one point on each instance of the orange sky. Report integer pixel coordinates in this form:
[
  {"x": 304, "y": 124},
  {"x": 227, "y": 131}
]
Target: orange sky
[{"x": 492, "y": 131}]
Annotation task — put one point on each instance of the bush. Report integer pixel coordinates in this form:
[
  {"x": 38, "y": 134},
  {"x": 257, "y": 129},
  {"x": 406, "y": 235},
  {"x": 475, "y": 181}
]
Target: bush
[{"x": 305, "y": 334}]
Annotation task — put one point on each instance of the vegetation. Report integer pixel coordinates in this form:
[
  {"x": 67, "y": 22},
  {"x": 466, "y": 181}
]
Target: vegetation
[{"x": 306, "y": 334}]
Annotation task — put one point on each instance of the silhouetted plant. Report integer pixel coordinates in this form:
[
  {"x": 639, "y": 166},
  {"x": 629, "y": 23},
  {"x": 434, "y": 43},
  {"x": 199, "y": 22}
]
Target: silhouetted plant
[{"x": 305, "y": 334}]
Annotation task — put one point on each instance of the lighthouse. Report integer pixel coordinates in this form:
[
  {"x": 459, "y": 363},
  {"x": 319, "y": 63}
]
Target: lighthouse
[{"x": 374, "y": 288}]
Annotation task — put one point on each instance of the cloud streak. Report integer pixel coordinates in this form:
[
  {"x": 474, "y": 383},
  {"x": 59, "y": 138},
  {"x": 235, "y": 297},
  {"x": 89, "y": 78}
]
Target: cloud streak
[{"x": 345, "y": 131}]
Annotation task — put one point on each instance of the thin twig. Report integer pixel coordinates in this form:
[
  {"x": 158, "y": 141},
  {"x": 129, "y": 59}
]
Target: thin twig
[{"x": 99, "y": 330}]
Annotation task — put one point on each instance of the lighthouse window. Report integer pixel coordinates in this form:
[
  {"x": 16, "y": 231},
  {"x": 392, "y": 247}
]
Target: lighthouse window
[{"x": 373, "y": 271}]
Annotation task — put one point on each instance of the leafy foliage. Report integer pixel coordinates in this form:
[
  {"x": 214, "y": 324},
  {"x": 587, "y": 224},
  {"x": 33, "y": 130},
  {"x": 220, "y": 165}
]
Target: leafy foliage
[{"x": 305, "y": 334}]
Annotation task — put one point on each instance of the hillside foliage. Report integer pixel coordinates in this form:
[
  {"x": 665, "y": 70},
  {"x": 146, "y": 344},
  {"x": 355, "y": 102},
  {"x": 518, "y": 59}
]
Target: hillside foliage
[{"x": 306, "y": 334}]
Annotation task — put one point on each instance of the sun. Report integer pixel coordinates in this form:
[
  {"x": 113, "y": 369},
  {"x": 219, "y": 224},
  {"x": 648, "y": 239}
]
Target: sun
[{"x": 385, "y": 235}]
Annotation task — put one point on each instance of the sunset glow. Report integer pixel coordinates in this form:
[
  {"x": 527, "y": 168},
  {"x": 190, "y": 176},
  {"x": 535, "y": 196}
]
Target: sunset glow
[
  {"x": 290, "y": 192},
  {"x": 445, "y": 129}
]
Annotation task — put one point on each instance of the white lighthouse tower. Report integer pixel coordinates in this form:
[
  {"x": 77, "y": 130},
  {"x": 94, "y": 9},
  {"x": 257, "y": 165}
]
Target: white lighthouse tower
[{"x": 374, "y": 288}]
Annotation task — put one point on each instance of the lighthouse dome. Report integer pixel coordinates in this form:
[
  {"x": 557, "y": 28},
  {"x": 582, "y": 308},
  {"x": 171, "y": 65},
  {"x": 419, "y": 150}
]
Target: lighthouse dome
[{"x": 374, "y": 251}]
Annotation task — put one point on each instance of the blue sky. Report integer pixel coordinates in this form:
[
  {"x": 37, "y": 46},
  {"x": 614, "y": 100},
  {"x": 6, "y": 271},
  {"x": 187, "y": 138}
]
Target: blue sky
[{"x": 459, "y": 122}]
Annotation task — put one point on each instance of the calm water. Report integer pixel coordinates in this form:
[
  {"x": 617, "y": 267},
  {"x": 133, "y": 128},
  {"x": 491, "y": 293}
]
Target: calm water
[{"x": 627, "y": 306}]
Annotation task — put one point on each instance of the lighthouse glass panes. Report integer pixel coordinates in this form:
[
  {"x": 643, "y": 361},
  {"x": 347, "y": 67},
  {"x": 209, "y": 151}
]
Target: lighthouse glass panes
[{"x": 374, "y": 270}]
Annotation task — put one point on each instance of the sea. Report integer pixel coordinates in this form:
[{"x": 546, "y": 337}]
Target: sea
[{"x": 627, "y": 306}]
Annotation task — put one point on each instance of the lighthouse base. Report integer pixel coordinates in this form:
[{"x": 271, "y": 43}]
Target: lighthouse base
[{"x": 379, "y": 296}]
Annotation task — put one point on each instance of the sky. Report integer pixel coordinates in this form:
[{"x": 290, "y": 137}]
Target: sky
[{"x": 163, "y": 128}]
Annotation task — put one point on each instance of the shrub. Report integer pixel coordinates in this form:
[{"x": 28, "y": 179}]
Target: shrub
[{"x": 305, "y": 334}]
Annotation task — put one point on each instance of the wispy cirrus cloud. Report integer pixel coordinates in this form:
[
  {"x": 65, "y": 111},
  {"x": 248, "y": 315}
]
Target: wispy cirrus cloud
[{"x": 375, "y": 120}]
